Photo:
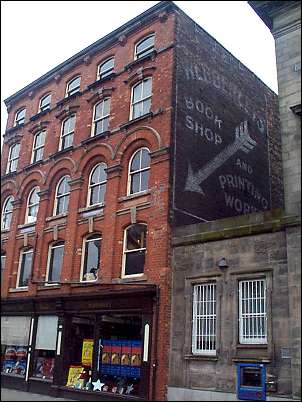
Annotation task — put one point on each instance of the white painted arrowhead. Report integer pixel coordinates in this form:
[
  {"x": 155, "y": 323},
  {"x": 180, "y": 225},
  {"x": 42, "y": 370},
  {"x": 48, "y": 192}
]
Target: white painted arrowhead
[{"x": 192, "y": 182}]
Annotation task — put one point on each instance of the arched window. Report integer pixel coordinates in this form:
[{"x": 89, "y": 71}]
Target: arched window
[
  {"x": 25, "y": 267},
  {"x": 91, "y": 257},
  {"x": 32, "y": 206},
  {"x": 73, "y": 86},
  {"x": 144, "y": 47},
  {"x": 101, "y": 117},
  {"x": 97, "y": 184},
  {"x": 67, "y": 132},
  {"x": 38, "y": 146},
  {"x": 105, "y": 69},
  {"x": 20, "y": 117},
  {"x": 62, "y": 196},
  {"x": 55, "y": 261},
  {"x": 139, "y": 171},
  {"x": 141, "y": 98},
  {"x": 7, "y": 212},
  {"x": 45, "y": 103},
  {"x": 13, "y": 158},
  {"x": 134, "y": 249}
]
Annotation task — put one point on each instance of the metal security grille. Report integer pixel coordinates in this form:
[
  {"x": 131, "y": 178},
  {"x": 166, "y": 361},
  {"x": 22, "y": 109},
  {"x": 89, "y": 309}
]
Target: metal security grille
[
  {"x": 252, "y": 311},
  {"x": 204, "y": 319}
]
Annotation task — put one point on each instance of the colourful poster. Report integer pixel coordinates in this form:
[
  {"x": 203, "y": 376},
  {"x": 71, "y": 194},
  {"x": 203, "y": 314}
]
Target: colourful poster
[
  {"x": 87, "y": 352},
  {"x": 73, "y": 375}
]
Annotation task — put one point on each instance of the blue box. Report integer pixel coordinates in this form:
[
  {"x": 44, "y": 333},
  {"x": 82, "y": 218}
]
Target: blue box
[{"x": 251, "y": 381}]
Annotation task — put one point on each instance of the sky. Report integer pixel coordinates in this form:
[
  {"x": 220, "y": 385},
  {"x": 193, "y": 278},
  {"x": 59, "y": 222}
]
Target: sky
[{"x": 36, "y": 36}]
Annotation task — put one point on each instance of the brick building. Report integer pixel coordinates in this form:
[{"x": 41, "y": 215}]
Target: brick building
[{"x": 153, "y": 126}]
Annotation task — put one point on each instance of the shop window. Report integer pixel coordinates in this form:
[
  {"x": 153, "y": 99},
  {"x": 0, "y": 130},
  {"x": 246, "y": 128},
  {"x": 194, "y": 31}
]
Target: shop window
[
  {"x": 144, "y": 47},
  {"x": 7, "y": 213},
  {"x": 25, "y": 267},
  {"x": 38, "y": 147},
  {"x": 101, "y": 117},
  {"x": 134, "y": 250},
  {"x": 62, "y": 196},
  {"x": 55, "y": 261},
  {"x": 141, "y": 98},
  {"x": 97, "y": 184},
  {"x": 252, "y": 311},
  {"x": 73, "y": 86},
  {"x": 105, "y": 69},
  {"x": 67, "y": 132},
  {"x": 20, "y": 117},
  {"x": 32, "y": 206},
  {"x": 139, "y": 171},
  {"x": 45, "y": 346},
  {"x": 13, "y": 158},
  {"x": 204, "y": 319},
  {"x": 14, "y": 344},
  {"x": 45, "y": 103},
  {"x": 91, "y": 257}
]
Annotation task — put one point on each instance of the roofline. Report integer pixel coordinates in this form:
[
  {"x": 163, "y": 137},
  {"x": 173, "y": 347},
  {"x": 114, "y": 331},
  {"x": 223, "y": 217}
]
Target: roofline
[{"x": 91, "y": 49}]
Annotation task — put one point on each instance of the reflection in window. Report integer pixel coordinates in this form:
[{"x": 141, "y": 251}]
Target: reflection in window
[
  {"x": 141, "y": 98},
  {"x": 144, "y": 47},
  {"x": 13, "y": 158},
  {"x": 105, "y": 69},
  {"x": 134, "y": 249},
  {"x": 55, "y": 260},
  {"x": 101, "y": 117},
  {"x": 62, "y": 196},
  {"x": 32, "y": 205},
  {"x": 67, "y": 132},
  {"x": 92, "y": 250},
  {"x": 139, "y": 171},
  {"x": 7, "y": 213},
  {"x": 73, "y": 86},
  {"x": 25, "y": 265},
  {"x": 97, "y": 185}
]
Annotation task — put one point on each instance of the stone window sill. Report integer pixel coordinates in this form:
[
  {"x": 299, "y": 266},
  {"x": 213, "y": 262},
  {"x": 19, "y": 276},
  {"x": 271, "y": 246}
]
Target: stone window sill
[
  {"x": 141, "y": 278},
  {"x": 39, "y": 114},
  {"x": 134, "y": 196},
  {"x": 49, "y": 286},
  {"x": 201, "y": 357},
  {"x": 61, "y": 152},
  {"x": 53, "y": 218},
  {"x": 252, "y": 346},
  {"x": 149, "y": 56},
  {"x": 93, "y": 138},
  {"x": 31, "y": 226},
  {"x": 18, "y": 290},
  {"x": 34, "y": 164},
  {"x": 133, "y": 121},
  {"x": 101, "y": 81},
  {"x": 68, "y": 98}
]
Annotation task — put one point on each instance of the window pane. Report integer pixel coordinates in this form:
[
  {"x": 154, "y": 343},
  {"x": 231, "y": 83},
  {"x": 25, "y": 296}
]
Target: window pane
[
  {"x": 136, "y": 237},
  {"x": 67, "y": 141},
  {"x": 98, "y": 111},
  {"x": 149, "y": 42},
  {"x": 106, "y": 107},
  {"x": 106, "y": 68},
  {"x": 137, "y": 93},
  {"x": 135, "y": 163},
  {"x": 97, "y": 194},
  {"x": 63, "y": 186},
  {"x": 55, "y": 266},
  {"x": 99, "y": 174},
  {"x": 62, "y": 204},
  {"x": 147, "y": 85},
  {"x": 74, "y": 85},
  {"x": 25, "y": 268},
  {"x": 46, "y": 337},
  {"x": 92, "y": 256},
  {"x": 145, "y": 158},
  {"x": 45, "y": 102},
  {"x": 146, "y": 106},
  {"x": 135, "y": 183},
  {"x": 135, "y": 263},
  {"x": 144, "y": 180},
  {"x": 137, "y": 110}
]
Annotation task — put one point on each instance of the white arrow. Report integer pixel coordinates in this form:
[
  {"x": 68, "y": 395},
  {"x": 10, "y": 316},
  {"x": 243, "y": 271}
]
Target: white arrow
[{"x": 242, "y": 142}]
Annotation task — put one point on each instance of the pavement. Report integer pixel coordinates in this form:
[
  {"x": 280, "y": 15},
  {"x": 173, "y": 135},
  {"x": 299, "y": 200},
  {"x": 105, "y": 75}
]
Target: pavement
[{"x": 14, "y": 395}]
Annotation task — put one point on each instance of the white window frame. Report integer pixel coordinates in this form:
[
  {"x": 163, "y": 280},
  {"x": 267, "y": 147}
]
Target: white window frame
[
  {"x": 245, "y": 328},
  {"x": 69, "y": 133},
  {"x": 94, "y": 185},
  {"x": 203, "y": 295},
  {"x": 37, "y": 148},
  {"x": 47, "y": 106},
  {"x": 125, "y": 252},
  {"x": 12, "y": 159},
  {"x": 51, "y": 247},
  {"x": 17, "y": 119},
  {"x": 107, "y": 72},
  {"x": 149, "y": 48},
  {"x": 5, "y": 213},
  {"x": 28, "y": 206},
  {"x": 85, "y": 241},
  {"x": 60, "y": 196},
  {"x": 102, "y": 118},
  {"x": 75, "y": 90},
  {"x": 142, "y": 100},
  {"x": 22, "y": 252},
  {"x": 130, "y": 174}
]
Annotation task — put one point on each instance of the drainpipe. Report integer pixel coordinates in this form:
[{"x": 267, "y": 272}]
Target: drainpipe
[{"x": 154, "y": 363}]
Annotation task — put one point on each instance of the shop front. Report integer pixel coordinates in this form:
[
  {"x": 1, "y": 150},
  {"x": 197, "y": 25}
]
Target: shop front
[{"x": 95, "y": 346}]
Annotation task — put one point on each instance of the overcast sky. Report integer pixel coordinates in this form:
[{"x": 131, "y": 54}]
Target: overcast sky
[{"x": 38, "y": 35}]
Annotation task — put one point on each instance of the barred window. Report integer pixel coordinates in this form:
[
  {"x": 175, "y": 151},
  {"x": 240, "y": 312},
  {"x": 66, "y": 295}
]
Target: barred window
[
  {"x": 252, "y": 311},
  {"x": 204, "y": 319}
]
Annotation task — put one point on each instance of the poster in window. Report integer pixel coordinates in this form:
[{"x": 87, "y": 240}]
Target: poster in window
[
  {"x": 87, "y": 352},
  {"x": 73, "y": 375}
]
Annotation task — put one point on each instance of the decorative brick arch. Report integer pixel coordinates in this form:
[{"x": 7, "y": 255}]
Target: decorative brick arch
[
  {"x": 9, "y": 188},
  {"x": 66, "y": 164},
  {"x": 93, "y": 152},
  {"x": 36, "y": 177}
]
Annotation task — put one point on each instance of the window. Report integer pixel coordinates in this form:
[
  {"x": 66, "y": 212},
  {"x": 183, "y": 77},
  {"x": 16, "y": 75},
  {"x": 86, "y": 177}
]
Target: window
[
  {"x": 67, "y": 132},
  {"x": 134, "y": 250},
  {"x": 141, "y": 98},
  {"x": 101, "y": 117},
  {"x": 144, "y": 47},
  {"x": 139, "y": 171},
  {"x": 13, "y": 158},
  {"x": 38, "y": 146},
  {"x": 97, "y": 184},
  {"x": 204, "y": 319},
  {"x": 45, "y": 103},
  {"x": 25, "y": 265},
  {"x": 73, "y": 86},
  {"x": 32, "y": 206},
  {"x": 105, "y": 69},
  {"x": 55, "y": 260},
  {"x": 7, "y": 213},
  {"x": 20, "y": 117},
  {"x": 3, "y": 259},
  {"x": 62, "y": 196},
  {"x": 91, "y": 257},
  {"x": 252, "y": 311}
]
